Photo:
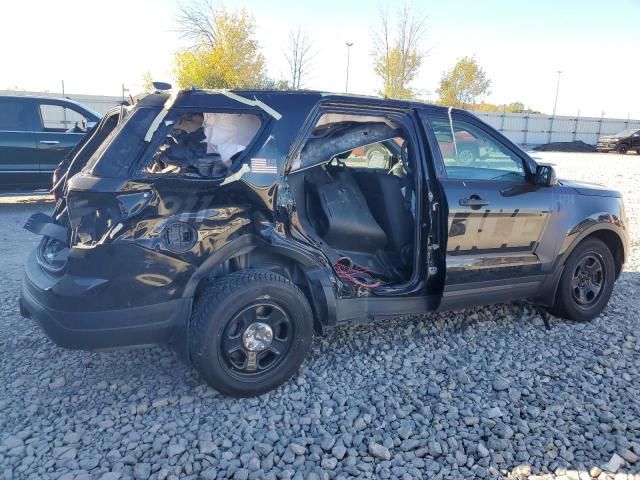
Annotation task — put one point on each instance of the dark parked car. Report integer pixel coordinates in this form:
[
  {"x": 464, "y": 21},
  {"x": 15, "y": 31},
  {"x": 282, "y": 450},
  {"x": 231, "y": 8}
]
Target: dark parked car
[
  {"x": 234, "y": 225},
  {"x": 35, "y": 135},
  {"x": 620, "y": 142}
]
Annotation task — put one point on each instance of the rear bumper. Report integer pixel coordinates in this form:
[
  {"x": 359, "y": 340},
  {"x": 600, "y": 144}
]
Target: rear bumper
[{"x": 71, "y": 323}]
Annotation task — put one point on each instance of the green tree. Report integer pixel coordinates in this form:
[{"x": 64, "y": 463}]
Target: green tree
[
  {"x": 225, "y": 53},
  {"x": 147, "y": 82},
  {"x": 515, "y": 107},
  {"x": 397, "y": 59},
  {"x": 269, "y": 83},
  {"x": 464, "y": 84}
]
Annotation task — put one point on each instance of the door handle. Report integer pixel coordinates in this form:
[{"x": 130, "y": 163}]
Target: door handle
[
  {"x": 49, "y": 142},
  {"x": 474, "y": 201}
]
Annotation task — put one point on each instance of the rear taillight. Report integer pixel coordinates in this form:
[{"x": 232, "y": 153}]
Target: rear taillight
[
  {"x": 52, "y": 254},
  {"x": 93, "y": 216}
]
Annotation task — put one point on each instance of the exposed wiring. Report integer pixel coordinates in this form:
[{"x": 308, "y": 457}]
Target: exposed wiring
[{"x": 349, "y": 272}]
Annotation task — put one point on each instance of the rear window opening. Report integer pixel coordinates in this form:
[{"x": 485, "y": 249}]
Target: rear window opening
[
  {"x": 204, "y": 144},
  {"x": 121, "y": 148}
]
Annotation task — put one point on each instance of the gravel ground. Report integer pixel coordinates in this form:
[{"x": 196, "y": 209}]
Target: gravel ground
[{"x": 483, "y": 393}]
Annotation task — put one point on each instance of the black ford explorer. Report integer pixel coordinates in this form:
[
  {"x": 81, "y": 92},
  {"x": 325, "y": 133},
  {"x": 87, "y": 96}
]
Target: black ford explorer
[
  {"x": 234, "y": 225},
  {"x": 36, "y": 133}
]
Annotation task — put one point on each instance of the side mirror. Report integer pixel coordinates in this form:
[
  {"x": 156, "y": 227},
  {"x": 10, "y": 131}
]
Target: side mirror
[{"x": 545, "y": 176}]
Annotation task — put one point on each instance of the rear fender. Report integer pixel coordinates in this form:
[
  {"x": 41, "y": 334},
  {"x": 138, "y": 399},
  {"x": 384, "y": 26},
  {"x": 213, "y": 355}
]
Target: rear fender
[{"x": 319, "y": 282}]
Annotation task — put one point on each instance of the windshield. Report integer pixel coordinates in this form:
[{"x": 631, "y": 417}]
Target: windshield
[{"x": 626, "y": 133}]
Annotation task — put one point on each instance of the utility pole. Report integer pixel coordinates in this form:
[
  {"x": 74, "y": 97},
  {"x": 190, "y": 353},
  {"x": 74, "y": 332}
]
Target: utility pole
[
  {"x": 555, "y": 104},
  {"x": 349, "y": 45}
]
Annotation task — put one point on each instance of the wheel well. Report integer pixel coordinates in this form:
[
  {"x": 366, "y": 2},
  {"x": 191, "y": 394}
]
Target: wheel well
[
  {"x": 613, "y": 242},
  {"x": 262, "y": 259}
]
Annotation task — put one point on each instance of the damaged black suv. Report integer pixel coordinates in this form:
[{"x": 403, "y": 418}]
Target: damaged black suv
[{"x": 234, "y": 225}]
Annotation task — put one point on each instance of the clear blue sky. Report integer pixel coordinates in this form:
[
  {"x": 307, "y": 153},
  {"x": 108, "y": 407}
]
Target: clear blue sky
[{"x": 97, "y": 46}]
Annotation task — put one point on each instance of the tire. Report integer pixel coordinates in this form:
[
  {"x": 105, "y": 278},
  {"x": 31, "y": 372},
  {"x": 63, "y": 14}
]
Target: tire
[
  {"x": 638, "y": 151},
  {"x": 622, "y": 149},
  {"x": 592, "y": 254},
  {"x": 226, "y": 318}
]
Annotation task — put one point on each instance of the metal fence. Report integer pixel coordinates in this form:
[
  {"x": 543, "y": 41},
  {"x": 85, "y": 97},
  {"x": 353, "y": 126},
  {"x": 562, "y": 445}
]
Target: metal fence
[
  {"x": 527, "y": 129},
  {"x": 530, "y": 129}
]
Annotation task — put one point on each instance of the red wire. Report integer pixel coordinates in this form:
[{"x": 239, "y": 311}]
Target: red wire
[{"x": 346, "y": 270}]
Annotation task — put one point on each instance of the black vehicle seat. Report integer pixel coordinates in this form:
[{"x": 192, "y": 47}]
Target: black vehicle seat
[
  {"x": 340, "y": 214},
  {"x": 388, "y": 205}
]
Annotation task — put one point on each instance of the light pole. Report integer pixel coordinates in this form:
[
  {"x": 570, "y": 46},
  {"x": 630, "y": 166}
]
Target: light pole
[
  {"x": 349, "y": 45},
  {"x": 555, "y": 104}
]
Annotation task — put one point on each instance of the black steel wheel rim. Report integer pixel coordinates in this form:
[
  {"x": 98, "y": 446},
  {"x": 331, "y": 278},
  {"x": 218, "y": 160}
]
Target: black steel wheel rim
[
  {"x": 588, "y": 280},
  {"x": 242, "y": 362}
]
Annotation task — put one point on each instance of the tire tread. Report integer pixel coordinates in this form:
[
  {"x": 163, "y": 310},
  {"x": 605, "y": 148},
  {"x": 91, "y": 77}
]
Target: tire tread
[
  {"x": 213, "y": 295},
  {"x": 561, "y": 307}
]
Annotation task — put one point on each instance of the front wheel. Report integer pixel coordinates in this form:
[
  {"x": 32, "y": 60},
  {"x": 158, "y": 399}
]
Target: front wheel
[
  {"x": 586, "y": 283},
  {"x": 622, "y": 149},
  {"x": 250, "y": 332}
]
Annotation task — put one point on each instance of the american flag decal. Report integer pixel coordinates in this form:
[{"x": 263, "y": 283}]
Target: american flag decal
[{"x": 264, "y": 165}]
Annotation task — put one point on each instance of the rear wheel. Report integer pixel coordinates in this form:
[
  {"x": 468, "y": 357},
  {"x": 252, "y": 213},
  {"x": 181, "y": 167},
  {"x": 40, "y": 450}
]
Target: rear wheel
[
  {"x": 622, "y": 149},
  {"x": 586, "y": 283},
  {"x": 250, "y": 332}
]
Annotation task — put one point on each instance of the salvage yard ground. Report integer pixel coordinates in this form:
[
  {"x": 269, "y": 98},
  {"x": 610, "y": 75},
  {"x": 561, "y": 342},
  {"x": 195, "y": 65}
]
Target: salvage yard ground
[{"x": 482, "y": 393}]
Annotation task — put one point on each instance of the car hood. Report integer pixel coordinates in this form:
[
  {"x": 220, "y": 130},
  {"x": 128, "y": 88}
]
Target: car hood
[
  {"x": 609, "y": 138},
  {"x": 591, "y": 189}
]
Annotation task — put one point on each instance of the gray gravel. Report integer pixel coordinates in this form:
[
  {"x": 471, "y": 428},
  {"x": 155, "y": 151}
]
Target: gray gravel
[{"x": 484, "y": 393}]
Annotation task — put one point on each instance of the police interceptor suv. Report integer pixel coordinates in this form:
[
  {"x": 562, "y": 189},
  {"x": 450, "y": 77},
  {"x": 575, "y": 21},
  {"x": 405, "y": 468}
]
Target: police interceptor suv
[{"x": 233, "y": 225}]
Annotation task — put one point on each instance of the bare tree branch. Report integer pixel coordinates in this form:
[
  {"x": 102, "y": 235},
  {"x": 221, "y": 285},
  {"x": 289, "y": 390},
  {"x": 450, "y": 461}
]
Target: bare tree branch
[
  {"x": 196, "y": 22},
  {"x": 398, "y": 59},
  {"x": 299, "y": 56}
]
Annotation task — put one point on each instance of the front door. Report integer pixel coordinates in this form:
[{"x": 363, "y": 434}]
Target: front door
[
  {"x": 18, "y": 152},
  {"x": 58, "y": 130},
  {"x": 497, "y": 215}
]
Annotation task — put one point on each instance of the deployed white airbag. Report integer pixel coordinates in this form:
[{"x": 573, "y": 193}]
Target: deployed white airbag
[{"x": 229, "y": 133}]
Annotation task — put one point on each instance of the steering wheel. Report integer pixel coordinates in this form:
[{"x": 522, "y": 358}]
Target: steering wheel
[
  {"x": 75, "y": 129},
  {"x": 403, "y": 163},
  {"x": 397, "y": 170}
]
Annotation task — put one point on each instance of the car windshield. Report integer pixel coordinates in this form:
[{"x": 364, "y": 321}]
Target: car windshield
[{"x": 626, "y": 133}]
